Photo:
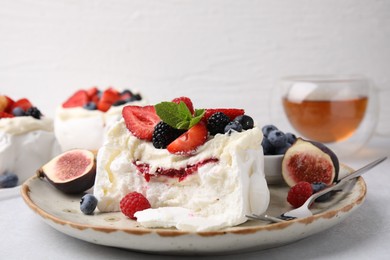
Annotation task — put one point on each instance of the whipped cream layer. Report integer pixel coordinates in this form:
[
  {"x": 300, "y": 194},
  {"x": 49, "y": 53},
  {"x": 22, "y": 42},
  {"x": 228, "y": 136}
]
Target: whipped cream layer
[
  {"x": 81, "y": 128},
  {"x": 23, "y": 124},
  {"x": 26, "y": 144},
  {"x": 228, "y": 182}
]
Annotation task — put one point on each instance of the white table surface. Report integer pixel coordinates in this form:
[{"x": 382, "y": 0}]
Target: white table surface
[{"x": 365, "y": 234}]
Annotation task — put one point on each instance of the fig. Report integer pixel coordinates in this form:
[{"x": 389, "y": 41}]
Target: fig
[
  {"x": 71, "y": 172},
  {"x": 311, "y": 162}
]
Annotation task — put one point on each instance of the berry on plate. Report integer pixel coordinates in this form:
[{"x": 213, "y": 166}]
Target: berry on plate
[
  {"x": 187, "y": 143},
  {"x": 140, "y": 121},
  {"x": 88, "y": 204},
  {"x": 133, "y": 202},
  {"x": 299, "y": 193}
]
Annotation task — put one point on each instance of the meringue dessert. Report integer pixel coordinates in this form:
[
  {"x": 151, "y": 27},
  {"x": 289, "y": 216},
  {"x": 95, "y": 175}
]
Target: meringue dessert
[
  {"x": 26, "y": 138},
  {"x": 82, "y": 120},
  {"x": 200, "y": 170}
]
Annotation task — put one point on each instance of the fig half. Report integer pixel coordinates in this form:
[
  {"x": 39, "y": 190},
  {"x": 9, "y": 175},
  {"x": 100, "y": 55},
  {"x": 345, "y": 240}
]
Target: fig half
[
  {"x": 311, "y": 162},
  {"x": 72, "y": 172}
]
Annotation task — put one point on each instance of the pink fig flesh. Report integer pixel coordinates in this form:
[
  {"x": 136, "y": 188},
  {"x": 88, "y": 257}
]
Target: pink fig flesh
[
  {"x": 311, "y": 162},
  {"x": 72, "y": 172}
]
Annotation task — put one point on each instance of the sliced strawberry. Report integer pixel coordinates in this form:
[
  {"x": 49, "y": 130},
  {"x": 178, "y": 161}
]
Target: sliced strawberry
[
  {"x": 230, "y": 112},
  {"x": 103, "y": 106},
  {"x": 141, "y": 120},
  {"x": 91, "y": 92},
  {"x": 187, "y": 143},
  {"x": 23, "y": 103},
  {"x": 186, "y": 101},
  {"x": 10, "y": 102},
  {"x": 78, "y": 99},
  {"x": 109, "y": 97},
  {"x": 6, "y": 115}
]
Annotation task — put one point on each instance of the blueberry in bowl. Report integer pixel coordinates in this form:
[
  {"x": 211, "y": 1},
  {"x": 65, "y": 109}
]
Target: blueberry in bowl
[{"x": 275, "y": 143}]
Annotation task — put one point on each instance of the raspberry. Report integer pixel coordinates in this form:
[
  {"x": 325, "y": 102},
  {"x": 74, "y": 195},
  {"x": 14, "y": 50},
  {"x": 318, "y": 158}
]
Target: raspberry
[
  {"x": 133, "y": 202},
  {"x": 299, "y": 193}
]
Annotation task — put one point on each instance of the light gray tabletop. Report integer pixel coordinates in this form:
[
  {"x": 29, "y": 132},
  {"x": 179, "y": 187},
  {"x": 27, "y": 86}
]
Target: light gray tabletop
[{"x": 365, "y": 234}]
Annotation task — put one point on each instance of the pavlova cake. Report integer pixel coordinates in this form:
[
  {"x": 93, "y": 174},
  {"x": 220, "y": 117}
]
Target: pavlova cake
[
  {"x": 26, "y": 140},
  {"x": 81, "y": 121},
  {"x": 197, "y": 170}
]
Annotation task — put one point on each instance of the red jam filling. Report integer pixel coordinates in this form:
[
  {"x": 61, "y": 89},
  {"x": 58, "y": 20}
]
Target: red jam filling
[{"x": 181, "y": 173}]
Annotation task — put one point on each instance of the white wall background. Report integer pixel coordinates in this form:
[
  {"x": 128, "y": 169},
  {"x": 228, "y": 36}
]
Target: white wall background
[{"x": 222, "y": 53}]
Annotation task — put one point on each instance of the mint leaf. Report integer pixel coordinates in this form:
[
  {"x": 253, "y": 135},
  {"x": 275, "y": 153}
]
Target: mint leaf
[{"x": 178, "y": 115}]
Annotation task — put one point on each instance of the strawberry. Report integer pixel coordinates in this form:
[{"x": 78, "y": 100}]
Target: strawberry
[
  {"x": 133, "y": 202},
  {"x": 23, "y": 103},
  {"x": 230, "y": 112},
  {"x": 186, "y": 101},
  {"x": 6, "y": 104},
  {"x": 5, "y": 115},
  {"x": 299, "y": 193},
  {"x": 78, "y": 99},
  {"x": 188, "y": 142},
  {"x": 109, "y": 97},
  {"x": 140, "y": 121},
  {"x": 91, "y": 92}
]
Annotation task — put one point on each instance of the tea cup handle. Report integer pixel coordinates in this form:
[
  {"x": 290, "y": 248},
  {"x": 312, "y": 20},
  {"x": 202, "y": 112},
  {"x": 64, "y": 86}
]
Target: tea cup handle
[{"x": 383, "y": 125}]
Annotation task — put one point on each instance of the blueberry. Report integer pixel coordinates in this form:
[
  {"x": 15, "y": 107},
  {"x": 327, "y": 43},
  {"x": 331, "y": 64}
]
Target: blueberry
[
  {"x": 245, "y": 121},
  {"x": 18, "y": 111},
  {"x": 88, "y": 204},
  {"x": 318, "y": 186},
  {"x": 283, "y": 149},
  {"x": 90, "y": 106},
  {"x": 291, "y": 138},
  {"x": 233, "y": 126},
  {"x": 267, "y": 129},
  {"x": 277, "y": 138},
  {"x": 8, "y": 180},
  {"x": 268, "y": 149}
]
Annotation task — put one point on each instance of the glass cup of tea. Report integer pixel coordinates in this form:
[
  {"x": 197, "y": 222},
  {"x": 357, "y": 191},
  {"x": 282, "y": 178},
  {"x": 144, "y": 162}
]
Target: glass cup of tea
[{"x": 340, "y": 111}]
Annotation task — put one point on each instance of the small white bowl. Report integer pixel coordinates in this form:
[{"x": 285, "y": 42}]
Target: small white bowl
[{"x": 273, "y": 168}]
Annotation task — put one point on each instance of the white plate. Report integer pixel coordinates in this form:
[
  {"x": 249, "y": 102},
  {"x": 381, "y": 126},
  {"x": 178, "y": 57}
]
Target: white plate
[{"x": 113, "y": 229}]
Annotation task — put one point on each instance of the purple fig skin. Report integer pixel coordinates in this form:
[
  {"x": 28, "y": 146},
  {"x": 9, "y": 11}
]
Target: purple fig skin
[
  {"x": 74, "y": 185},
  {"x": 310, "y": 151},
  {"x": 332, "y": 155}
]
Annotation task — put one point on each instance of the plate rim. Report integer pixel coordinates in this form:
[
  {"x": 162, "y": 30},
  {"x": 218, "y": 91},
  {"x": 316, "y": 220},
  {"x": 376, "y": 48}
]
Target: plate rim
[{"x": 139, "y": 230}]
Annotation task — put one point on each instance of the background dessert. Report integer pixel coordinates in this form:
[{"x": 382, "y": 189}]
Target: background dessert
[
  {"x": 81, "y": 121},
  {"x": 26, "y": 138}
]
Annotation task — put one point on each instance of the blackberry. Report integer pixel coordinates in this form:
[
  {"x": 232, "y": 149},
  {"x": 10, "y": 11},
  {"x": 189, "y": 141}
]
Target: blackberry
[
  {"x": 34, "y": 112},
  {"x": 217, "y": 122},
  {"x": 164, "y": 134},
  {"x": 119, "y": 103}
]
